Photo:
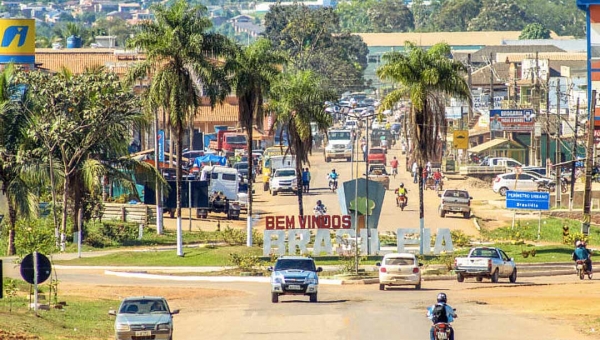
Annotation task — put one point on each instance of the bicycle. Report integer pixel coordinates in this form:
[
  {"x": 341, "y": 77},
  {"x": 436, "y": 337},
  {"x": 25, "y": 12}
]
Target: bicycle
[{"x": 394, "y": 172}]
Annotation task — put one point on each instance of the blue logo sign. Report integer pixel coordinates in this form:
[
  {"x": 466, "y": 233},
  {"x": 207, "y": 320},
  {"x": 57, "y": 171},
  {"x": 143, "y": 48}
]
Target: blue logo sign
[
  {"x": 11, "y": 34},
  {"x": 527, "y": 200},
  {"x": 161, "y": 146}
]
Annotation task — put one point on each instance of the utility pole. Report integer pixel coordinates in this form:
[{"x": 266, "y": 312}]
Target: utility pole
[
  {"x": 589, "y": 162},
  {"x": 470, "y": 84},
  {"x": 574, "y": 157},
  {"x": 557, "y": 154},
  {"x": 492, "y": 135},
  {"x": 547, "y": 153}
]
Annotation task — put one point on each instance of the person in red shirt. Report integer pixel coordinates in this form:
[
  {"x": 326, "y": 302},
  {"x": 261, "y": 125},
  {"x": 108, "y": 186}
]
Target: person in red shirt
[
  {"x": 437, "y": 177},
  {"x": 394, "y": 165}
]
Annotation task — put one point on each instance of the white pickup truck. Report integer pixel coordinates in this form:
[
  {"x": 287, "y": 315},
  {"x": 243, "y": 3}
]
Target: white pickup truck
[{"x": 492, "y": 263}]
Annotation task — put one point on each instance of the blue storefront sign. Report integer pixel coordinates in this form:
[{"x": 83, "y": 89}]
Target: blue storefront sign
[
  {"x": 527, "y": 200},
  {"x": 161, "y": 145}
]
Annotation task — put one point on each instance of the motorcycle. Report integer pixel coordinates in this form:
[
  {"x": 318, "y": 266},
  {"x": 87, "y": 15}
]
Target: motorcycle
[
  {"x": 550, "y": 186},
  {"x": 400, "y": 201},
  {"x": 333, "y": 184},
  {"x": 582, "y": 270},
  {"x": 320, "y": 212},
  {"x": 442, "y": 331}
]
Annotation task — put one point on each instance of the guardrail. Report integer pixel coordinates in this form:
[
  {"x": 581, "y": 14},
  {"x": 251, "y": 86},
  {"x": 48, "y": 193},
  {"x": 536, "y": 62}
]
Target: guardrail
[{"x": 137, "y": 213}]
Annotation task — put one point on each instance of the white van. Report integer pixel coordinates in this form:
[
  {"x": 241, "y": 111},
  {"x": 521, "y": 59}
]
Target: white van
[
  {"x": 351, "y": 124},
  {"x": 222, "y": 179}
]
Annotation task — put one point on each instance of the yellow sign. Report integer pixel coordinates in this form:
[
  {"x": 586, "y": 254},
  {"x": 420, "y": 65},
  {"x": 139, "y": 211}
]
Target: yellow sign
[
  {"x": 17, "y": 42},
  {"x": 461, "y": 139}
]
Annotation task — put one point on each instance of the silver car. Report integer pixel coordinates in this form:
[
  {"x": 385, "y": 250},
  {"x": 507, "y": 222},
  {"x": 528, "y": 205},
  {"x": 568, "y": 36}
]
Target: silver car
[{"x": 140, "y": 318}]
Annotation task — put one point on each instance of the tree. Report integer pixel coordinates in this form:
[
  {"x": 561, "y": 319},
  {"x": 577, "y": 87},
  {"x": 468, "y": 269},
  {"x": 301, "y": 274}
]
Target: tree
[
  {"x": 499, "y": 15},
  {"x": 77, "y": 117},
  {"x": 20, "y": 200},
  {"x": 178, "y": 49},
  {"x": 390, "y": 16},
  {"x": 454, "y": 15},
  {"x": 353, "y": 16},
  {"x": 535, "y": 31},
  {"x": 425, "y": 77},
  {"x": 256, "y": 67},
  {"x": 298, "y": 99}
]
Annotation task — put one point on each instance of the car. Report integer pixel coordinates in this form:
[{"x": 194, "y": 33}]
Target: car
[
  {"x": 399, "y": 269},
  {"x": 351, "y": 124},
  {"x": 283, "y": 180},
  {"x": 456, "y": 202},
  {"x": 294, "y": 275},
  {"x": 485, "y": 262},
  {"x": 377, "y": 156},
  {"x": 527, "y": 181},
  {"x": 144, "y": 317},
  {"x": 242, "y": 168},
  {"x": 377, "y": 124}
]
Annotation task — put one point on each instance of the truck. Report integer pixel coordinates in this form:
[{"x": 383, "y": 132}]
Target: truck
[
  {"x": 283, "y": 180},
  {"x": 456, "y": 202},
  {"x": 223, "y": 190},
  {"x": 485, "y": 262},
  {"x": 273, "y": 163},
  {"x": 294, "y": 275},
  {"x": 229, "y": 141},
  {"x": 378, "y": 173},
  {"x": 490, "y": 167},
  {"x": 339, "y": 145}
]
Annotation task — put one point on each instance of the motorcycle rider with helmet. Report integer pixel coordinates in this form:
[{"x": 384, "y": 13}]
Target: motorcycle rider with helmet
[
  {"x": 442, "y": 300},
  {"x": 402, "y": 191},
  {"x": 320, "y": 208},
  {"x": 582, "y": 253},
  {"x": 332, "y": 176}
]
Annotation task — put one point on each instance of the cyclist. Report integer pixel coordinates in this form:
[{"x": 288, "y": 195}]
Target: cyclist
[{"x": 394, "y": 165}]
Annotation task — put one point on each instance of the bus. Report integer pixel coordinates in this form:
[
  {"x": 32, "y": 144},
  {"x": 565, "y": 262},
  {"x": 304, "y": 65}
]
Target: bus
[{"x": 275, "y": 150}]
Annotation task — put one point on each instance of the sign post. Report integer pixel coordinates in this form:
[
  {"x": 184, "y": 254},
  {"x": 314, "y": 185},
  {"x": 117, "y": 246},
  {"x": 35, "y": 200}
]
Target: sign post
[{"x": 526, "y": 200}]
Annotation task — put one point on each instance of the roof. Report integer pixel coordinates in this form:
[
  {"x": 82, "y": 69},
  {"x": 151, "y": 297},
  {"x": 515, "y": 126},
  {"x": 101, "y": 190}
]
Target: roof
[
  {"x": 481, "y": 76},
  {"x": 78, "y": 59},
  {"x": 483, "y": 55},
  {"x": 432, "y": 38},
  {"x": 226, "y": 112},
  {"x": 494, "y": 143},
  {"x": 518, "y": 57},
  {"x": 400, "y": 255},
  {"x": 571, "y": 45}
]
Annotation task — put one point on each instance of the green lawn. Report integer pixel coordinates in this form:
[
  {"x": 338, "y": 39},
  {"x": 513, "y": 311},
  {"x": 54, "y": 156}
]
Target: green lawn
[{"x": 551, "y": 231}]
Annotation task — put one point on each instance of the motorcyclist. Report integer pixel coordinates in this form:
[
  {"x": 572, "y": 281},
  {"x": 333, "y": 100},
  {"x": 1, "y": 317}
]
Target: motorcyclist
[
  {"x": 582, "y": 253},
  {"x": 320, "y": 208},
  {"x": 402, "y": 191},
  {"x": 449, "y": 312}
]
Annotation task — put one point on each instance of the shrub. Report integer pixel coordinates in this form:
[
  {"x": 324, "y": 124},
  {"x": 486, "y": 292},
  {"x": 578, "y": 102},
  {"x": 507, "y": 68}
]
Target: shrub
[
  {"x": 244, "y": 262},
  {"x": 109, "y": 233},
  {"x": 574, "y": 237},
  {"x": 35, "y": 235},
  {"x": 233, "y": 237},
  {"x": 460, "y": 239}
]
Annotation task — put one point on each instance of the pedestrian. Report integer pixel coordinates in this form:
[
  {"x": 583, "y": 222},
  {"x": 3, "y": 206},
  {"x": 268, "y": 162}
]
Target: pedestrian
[
  {"x": 305, "y": 180},
  {"x": 415, "y": 169},
  {"x": 364, "y": 149}
]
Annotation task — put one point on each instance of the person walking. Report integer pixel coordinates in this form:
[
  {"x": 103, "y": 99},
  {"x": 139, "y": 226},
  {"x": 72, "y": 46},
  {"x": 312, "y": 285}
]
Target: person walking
[
  {"x": 305, "y": 180},
  {"x": 415, "y": 169}
]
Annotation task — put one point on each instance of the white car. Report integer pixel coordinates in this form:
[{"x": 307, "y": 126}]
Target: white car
[
  {"x": 399, "y": 269},
  {"x": 527, "y": 181},
  {"x": 377, "y": 124},
  {"x": 351, "y": 124}
]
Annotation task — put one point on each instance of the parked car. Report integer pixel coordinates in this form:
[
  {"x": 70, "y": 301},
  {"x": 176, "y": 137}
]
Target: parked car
[
  {"x": 485, "y": 262},
  {"x": 377, "y": 156},
  {"x": 527, "y": 181},
  {"x": 294, "y": 275},
  {"x": 242, "y": 168},
  {"x": 399, "y": 269},
  {"x": 146, "y": 317},
  {"x": 456, "y": 202}
]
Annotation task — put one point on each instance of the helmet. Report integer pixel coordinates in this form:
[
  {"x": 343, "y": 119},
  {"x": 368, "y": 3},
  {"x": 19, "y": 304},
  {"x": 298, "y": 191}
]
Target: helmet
[
  {"x": 578, "y": 243},
  {"x": 319, "y": 202},
  {"x": 333, "y": 170},
  {"x": 441, "y": 298},
  {"x": 401, "y": 185}
]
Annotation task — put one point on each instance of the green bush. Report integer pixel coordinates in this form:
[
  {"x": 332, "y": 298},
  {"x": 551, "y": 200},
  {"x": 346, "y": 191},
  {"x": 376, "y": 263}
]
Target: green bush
[
  {"x": 233, "y": 237},
  {"x": 35, "y": 235},
  {"x": 109, "y": 233},
  {"x": 244, "y": 262},
  {"x": 460, "y": 239},
  {"x": 574, "y": 237}
]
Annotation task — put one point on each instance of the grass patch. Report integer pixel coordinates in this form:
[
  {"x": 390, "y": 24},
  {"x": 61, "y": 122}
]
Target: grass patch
[
  {"x": 205, "y": 256},
  {"x": 82, "y": 318},
  {"x": 551, "y": 230}
]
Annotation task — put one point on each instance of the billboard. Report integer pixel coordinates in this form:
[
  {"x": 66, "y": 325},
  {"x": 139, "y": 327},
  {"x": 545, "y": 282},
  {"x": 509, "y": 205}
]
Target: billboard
[
  {"x": 512, "y": 120},
  {"x": 17, "y": 44}
]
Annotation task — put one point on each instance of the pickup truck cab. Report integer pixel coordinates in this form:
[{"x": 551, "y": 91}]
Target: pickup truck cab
[
  {"x": 485, "y": 262},
  {"x": 377, "y": 156},
  {"x": 455, "y": 202},
  {"x": 294, "y": 275},
  {"x": 283, "y": 179}
]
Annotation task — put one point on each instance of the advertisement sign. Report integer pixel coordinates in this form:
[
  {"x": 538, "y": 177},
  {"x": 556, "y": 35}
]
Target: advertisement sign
[
  {"x": 18, "y": 41},
  {"x": 161, "y": 145},
  {"x": 512, "y": 120},
  {"x": 453, "y": 112},
  {"x": 527, "y": 200},
  {"x": 460, "y": 139}
]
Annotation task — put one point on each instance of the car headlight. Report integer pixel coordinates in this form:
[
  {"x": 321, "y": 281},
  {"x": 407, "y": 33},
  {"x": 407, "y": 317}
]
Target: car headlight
[
  {"x": 349, "y": 146},
  {"x": 295, "y": 181},
  {"x": 122, "y": 327},
  {"x": 163, "y": 327},
  {"x": 278, "y": 279},
  {"x": 312, "y": 281}
]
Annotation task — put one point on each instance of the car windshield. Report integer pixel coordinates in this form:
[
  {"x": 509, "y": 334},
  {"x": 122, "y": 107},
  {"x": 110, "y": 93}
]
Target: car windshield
[
  {"x": 339, "y": 135},
  {"x": 287, "y": 264},
  {"x": 241, "y": 165},
  {"x": 236, "y": 139},
  {"x": 456, "y": 194},
  {"x": 399, "y": 261},
  {"x": 483, "y": 252},
  {"x": 376, "y": 151},
  {"x": 285, "y": 173},
  {"x": 143, "y": 306}
]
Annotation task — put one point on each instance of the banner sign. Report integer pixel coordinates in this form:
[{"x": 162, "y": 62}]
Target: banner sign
[
  {"x": 161, "y": 145},
  {"x": 308, "y": 222},
  {"x": 18, "y": 41},
  {"x": 512, "y": 120},
  {"x": 527, "y": 200}
]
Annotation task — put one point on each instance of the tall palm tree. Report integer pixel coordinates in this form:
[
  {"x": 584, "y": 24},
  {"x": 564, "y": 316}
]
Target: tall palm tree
[
  {"x": 298, "y": 99},
  {"x": 426, "y": 77},
  {"x": 179, "y": 54},
  {"x": 256, "y": 67},
  {"x": 19, "y": 197}
]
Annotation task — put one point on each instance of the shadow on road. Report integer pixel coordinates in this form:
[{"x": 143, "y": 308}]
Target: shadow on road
[{"x": 319, "y": 302}]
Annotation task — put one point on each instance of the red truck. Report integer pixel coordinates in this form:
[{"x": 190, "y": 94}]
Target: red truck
[
  {"x": 229, "y": 141},
  {"x": 377, "y": 156}
]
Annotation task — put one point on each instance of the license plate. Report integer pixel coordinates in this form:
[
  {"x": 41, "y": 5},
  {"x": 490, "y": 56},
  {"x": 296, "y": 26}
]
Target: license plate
[
  {"x": 295, "y": 287},
  {"x": 143, "y": 333},
  {"x": 455, "y": 209},
  {"x": 442, "y": 336}
]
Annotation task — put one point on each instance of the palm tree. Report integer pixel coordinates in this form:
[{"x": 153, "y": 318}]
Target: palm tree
[
  {"x": 19, "y": 197},
  {"x": 426, "y": 77},
  {"x": 179, "y": 55},
  {"x": 298, "y": 99},
  {"x": 256, "y": 67}
]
